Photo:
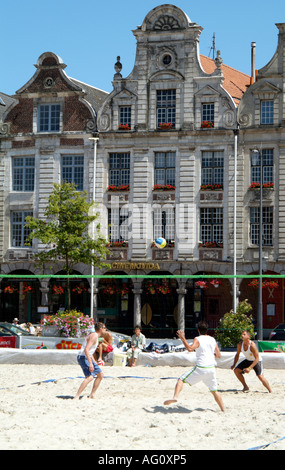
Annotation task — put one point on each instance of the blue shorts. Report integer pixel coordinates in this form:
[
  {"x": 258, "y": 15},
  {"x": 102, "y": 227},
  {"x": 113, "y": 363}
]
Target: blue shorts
[{"x": 84, "y": 364}]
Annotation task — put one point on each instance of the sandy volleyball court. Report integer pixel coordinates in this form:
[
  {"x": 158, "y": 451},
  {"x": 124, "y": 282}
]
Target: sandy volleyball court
[{"x": 129, "y": 411}]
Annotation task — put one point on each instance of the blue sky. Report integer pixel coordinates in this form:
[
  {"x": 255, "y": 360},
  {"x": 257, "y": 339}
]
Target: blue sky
[{"x": 89, "y": 34}]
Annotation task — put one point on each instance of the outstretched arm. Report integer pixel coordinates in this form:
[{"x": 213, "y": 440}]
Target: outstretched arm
[{"x": 190, "y": 348}]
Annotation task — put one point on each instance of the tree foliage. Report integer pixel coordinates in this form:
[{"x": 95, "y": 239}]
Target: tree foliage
[
  {"x": 64, "y": 230},
  {"x": 231, "y": 325}
]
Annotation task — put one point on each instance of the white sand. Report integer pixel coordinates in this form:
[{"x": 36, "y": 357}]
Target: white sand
[{"x": 129, "y": 413}]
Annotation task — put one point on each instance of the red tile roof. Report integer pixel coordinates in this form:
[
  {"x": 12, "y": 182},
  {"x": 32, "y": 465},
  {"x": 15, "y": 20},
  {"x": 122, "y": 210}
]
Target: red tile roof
[{"x": 235, "y": 82}]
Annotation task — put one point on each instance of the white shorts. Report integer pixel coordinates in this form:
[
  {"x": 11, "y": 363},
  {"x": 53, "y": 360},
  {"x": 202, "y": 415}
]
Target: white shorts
[{"x": 201, "y": 374}]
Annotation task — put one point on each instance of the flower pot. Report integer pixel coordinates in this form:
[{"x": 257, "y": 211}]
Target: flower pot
[{"x": 50, "y": 331}]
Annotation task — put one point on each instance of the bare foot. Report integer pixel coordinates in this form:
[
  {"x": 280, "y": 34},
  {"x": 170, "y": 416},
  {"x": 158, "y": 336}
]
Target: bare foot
[
  {"x": 246, "y": 389},
  {"x": 169, "y": 402}
]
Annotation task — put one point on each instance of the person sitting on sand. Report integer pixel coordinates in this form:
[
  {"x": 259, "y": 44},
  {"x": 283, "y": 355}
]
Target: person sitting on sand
[
  {"x": 253, "y": 360},
  {"x": 137, "y": 344},
  {"x": 206, "y": 351},
  {"x": 105, "y": 346},
  {"x": 90, "y": 369}
]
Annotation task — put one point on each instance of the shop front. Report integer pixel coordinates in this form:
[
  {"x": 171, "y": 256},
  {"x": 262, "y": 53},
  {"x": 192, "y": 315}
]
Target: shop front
[
  {"x": 20, "y": 297},
  {"x": 272, "y": 299}
]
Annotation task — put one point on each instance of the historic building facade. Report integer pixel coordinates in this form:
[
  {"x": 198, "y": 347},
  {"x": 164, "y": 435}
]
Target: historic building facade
[
  {"x": 165, "y": 168},
  {"x": 44, "y": 135}
]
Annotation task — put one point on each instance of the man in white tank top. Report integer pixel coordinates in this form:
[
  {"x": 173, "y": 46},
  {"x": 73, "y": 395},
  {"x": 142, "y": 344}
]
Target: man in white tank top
[
  {"x": 87, "y": 363},
  {"x": 207, "y": 351},
  {"x": 252, "y": 360}
]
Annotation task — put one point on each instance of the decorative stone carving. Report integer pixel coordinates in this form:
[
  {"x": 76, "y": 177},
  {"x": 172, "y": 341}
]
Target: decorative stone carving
[
  {"x": 118, "y": 67},
  {"x": 90, "y": 125},
  {"x": 245, "y": 120},
  {"x": 4, "y": 129},
  {"x": 229, "y": 119},
  {"x": 104, "y": 122},
  {"x": 218, "y": 60},
  {"x": 166, "y": 23}
]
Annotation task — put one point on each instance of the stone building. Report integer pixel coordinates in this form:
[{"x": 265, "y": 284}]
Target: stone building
[
  {"x": 44, "y": 135},
  {"x": 165, "y": 168}
]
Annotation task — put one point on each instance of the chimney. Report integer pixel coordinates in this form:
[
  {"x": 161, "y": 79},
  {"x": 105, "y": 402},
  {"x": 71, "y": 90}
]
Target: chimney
[{"x": 252, "y": 78}]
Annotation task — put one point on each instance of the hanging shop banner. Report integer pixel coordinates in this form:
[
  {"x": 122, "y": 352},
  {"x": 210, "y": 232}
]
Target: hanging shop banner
[
  {"x": 50, "y": 342},
  {"x": 271, "y": 346}
]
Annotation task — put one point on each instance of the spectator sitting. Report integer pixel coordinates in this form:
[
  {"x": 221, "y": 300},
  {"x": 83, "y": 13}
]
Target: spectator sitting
[
  {"x": 31, "y": 328},
  {"x": 105, "y": 346},
  {"x": 138, "y": 343}
]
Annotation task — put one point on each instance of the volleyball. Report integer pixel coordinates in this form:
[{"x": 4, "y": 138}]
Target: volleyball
[{"x": 160, "y": 242}]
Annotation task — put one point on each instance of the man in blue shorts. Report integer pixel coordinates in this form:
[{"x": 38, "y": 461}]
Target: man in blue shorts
[{"x": 88, "y": 365}]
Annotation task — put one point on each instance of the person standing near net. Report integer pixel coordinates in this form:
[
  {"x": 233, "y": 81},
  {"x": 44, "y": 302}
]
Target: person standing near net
[
  {"x": 252, "y": 360},
  {"x": 207, "y": 351},
  {"x": 89, "y": 367}
]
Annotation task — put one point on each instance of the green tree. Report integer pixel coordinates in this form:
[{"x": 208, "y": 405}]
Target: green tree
[
  {"x": 231, "y": 325},
  {"x": 64, "y": 231}
]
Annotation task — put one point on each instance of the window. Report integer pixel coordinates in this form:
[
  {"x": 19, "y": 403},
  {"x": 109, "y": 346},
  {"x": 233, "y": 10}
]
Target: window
[
  {"x": 165, "y": 107},
  {"x": 125, "y": 116},
  {"x": 267, "y": 162},
  {"x": 19, "y": 233},
  {"x": 118, "y": 224},
  {"x": 72, "y": 170},
  {"x": 267, "y": 225},
  {"x": 164, "y": 172},
  {"x": 212, "y": 168},
  {"x": 208, "y": 112},
  {"x": 266, "y": 112},
  {"x": 211, "y": 225},
  {"x": 164, "y": 223},
  {"x": 23, "y": 173},
  {"x": 49, "y": 118},
  {"x": 119, "y": 172}
]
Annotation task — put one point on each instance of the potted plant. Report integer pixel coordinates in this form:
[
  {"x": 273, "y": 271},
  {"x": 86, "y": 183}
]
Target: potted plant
[
  {"x": 124, "y": 127},
  {"x": 264, "y": 186},
  {"x": 110, "y": 289},
  {"x": 69, "y": 324},
  {"x": 164, "y": 187},
  {"x": 207, "y": 124},
  {"x": 150, "y": 288},
  {"x": 27, "y": 288},
  {"x": 124, "y": 290},
  {"x": 118, "y": 244},
  {"x": 164, "y": 289},
  {"x": 210, "y": 244},
  {"x": 117, "y": 188},
  {"x": 211, "y": 187},
  {"x": 201, "y": 285},
  {"x": 58, "y": 290},
  {"x": 78, "y": 290},
  {"x": 271, "y": 284},
  {"x": 216, "y": 283},
  {"x": 10, "y": 289},
  {"x": 231, "y": 325},
  {"x": 165, "y": 125}
]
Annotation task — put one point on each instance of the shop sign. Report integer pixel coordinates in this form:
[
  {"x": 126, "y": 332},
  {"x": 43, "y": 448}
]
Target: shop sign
[
  {"x": 128, "y": 266},
  {"x": 8, "y": 341},
  {"x": 271, "y": 346},
  {"x": 49, "y": 342}
]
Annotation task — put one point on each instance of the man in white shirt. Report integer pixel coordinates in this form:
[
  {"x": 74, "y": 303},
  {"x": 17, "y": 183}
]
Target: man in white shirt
[{"x": 207, "y": 351}]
